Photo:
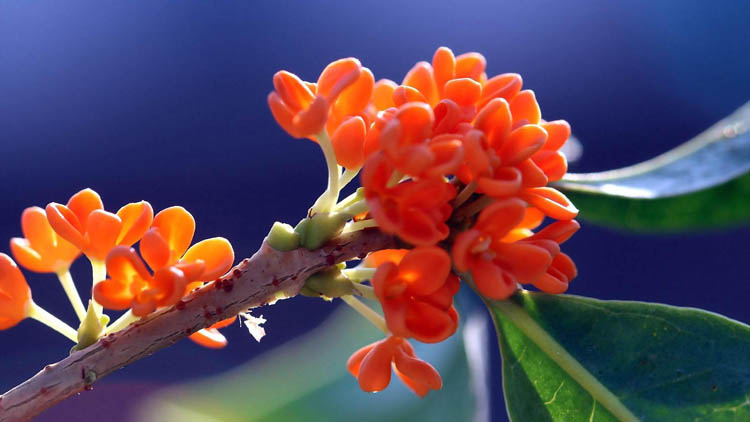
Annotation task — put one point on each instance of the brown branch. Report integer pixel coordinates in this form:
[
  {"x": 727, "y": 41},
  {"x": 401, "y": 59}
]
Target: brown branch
[{"x": 255, "y": 282}]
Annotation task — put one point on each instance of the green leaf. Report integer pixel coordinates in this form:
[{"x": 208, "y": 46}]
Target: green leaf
[
  {"x": 568, "y": 358},
  {"x": 703, "y": 183},
  {"x": 306, "y": 380}
]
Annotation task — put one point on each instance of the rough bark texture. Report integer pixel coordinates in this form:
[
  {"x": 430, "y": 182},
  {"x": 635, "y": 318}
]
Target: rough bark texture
[{"x": 256, "y": 281}]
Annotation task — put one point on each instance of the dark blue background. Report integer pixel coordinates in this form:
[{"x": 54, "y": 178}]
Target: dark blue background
[{"x": 166, "y": 101}]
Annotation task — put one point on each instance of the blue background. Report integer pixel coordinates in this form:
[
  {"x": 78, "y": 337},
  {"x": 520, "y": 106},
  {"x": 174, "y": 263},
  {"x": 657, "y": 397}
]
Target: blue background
[{"x": 166, "y": 101}]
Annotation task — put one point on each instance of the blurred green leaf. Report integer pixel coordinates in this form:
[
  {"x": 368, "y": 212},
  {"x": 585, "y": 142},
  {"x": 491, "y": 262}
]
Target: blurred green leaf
[
  {"x": 658, "y": 362},
  {"x": 306, "y": 380},
  {"x": 703, "y": 183}
]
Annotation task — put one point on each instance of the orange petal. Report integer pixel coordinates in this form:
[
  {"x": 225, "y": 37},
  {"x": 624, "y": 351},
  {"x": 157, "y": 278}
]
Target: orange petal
[
  {"x": 337, "y": 76},
  {"x": 66, "y": 224},
  {"x": 491, "y": 281},
  {"x": 522, "y": 143},
  {"x": 192, "y": 271},
  {"x": 83, "y": 203},
  {"x": 15, "y": 294},
  {"x": 124, "y": 265},
  {"x": 429, "y": 323},
  {"x": 444, "y": 67},
  {"x": 355, "y": 97},
  {"x": 37, "y": 230},
  {"x": 500, "y": 217},
  {"x": 532, "y": 219},
  {"x": 283, "y": 115},
  {"x": 551, "y": 202},
  {"x": 477, "y": 158},
  {"x": 372, "y": 139},
  {"x": 424, "y": 269},
  {"x": 374, "y": 259},
  {"x": 177, "y": 227},
  {"x": 418, "y": 228},
  {"x": 461, "y": 251},
  {"x": 42, "y": 250},
  {"x": 420, "y": 78},
  {"x": 558, "y": 131},
  {"x": 382, "y": 94},
  {"x": 552, "y": 163},
  {"x": 170, "y": 284},
  {"x": 559, "y": 231},
  {"x": 312, "y": 120},
  {"x": 224, "y": 323},
  {"x": 531, "y": 175},
  {"x": 103, "y": 229},
  {"x": 504, "y": 86},
  {"x": 495, "y": 120},
  {"x": 418, "y": 370},
  {"x": 416, "y": 120},
  {"x": 136, "y": 219},
  {"x": 448, "y": 154},
  {"x": 406, "y": 94},
  {"x": 210, "y": 338},
  {"x": 470, "y": 65},
  {"x": 525, "y": 108},
  {"x": 124, "y": 268},
  {"x": 505, "y": 182},
  {"x": 375, "y": 370},
  {"x": 463, "y": 91},
  {"x": 524, "y": 260},
  {"x": 112, "y": 294},
  {"x": 349, "y": 143},
  {"x": 154, "y": 249},
  {"x": 355, "y": 360},
  {"x": 216, "y": 253},
  {"x": 292, "y": 91}
]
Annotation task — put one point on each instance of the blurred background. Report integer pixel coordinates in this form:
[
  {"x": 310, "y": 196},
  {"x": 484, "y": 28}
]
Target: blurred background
[{"x": 166, "y": 101}]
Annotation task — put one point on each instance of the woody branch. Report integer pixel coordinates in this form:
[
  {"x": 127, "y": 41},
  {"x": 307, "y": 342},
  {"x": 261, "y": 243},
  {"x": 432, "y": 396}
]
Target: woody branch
[{"x": 256, "y": 281}]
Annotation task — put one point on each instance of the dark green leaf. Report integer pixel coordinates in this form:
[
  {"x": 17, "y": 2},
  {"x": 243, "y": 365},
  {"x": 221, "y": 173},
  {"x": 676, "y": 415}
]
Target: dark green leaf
[
  {"x": 658, "y": 362},
  {"x": 703, "y": 183},
  {"x": 306, "y": 380}
]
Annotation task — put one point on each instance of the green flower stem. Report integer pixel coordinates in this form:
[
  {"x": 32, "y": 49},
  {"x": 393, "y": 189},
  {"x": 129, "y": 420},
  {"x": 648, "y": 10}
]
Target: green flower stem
[
  {"x": 349, "y": 200},
  {"x": 66, "y": 280},
  {"x": 346, "y": 177},
  {"x": 359, "y": 225},
  {"x": 98, "y": 274},
  {"x": 521, "y": 319},
  {"x": 123, "y": 321},
  {"x": 328, "y": 199},
  {"x": 357, "y": 208},
  {"x": 358, "y": 274},
  {"x": 366, "y": 312},
  {"x": 38, "y": 313},
  {"x": 366, "y": 292},
  {"x": 465, "y": 194}
]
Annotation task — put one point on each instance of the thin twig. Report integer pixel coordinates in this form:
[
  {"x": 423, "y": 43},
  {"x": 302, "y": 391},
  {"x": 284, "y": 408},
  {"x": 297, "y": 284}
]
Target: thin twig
[{"x": 267, "y": 276}]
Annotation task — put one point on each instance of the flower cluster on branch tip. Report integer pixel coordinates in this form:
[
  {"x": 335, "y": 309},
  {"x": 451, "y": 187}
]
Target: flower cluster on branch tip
[
  {"x": 54, "y": 237},
  {"x": 454, "y": 163}
]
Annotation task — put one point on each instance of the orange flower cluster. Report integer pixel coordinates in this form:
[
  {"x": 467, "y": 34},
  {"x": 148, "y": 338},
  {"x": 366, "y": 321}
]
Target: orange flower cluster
[
  {"x": 457, "y": 164},
  {"x": 55, "y": 237}
]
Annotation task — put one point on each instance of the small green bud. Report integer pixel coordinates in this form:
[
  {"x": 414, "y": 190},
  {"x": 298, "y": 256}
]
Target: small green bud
[
  {"x": 315, "y": 231},
  {"x": 91, "y": 328},
  {"x": 282, "y": 237},
  {"x": 329, "y": 283}
]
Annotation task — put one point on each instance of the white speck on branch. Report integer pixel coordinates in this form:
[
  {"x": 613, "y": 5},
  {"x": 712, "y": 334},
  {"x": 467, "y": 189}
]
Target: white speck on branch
[{"x": 255, "y": 282}]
